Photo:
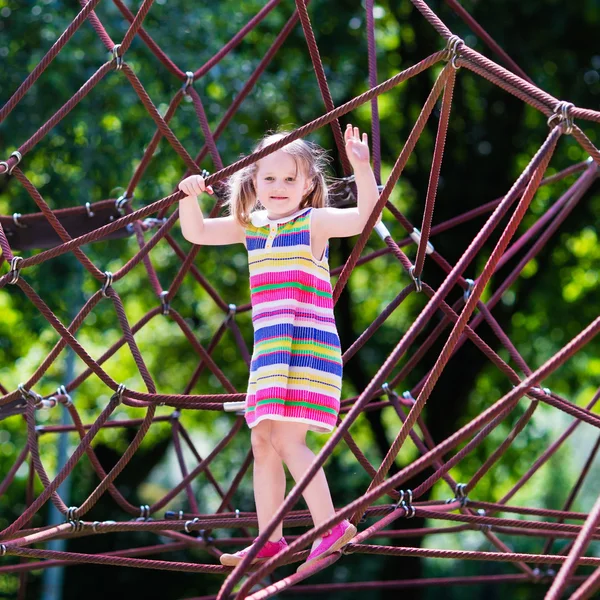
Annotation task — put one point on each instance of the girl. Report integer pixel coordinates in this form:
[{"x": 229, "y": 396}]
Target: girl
[{"x": 296, "y": 369}]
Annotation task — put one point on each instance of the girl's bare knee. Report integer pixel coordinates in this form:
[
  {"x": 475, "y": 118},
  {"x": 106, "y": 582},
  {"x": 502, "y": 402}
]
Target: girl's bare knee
[
  {"x": 260, "y": 437},
  {"x": 286, "y": 438}
]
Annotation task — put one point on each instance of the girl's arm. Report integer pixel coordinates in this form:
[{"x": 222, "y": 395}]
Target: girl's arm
[
  {"x": 345, "y": 222},
  {"x": 207, "y": 232}
]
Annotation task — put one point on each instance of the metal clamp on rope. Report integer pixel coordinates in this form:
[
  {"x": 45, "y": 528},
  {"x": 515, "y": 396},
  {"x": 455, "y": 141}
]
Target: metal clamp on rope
[
  {"x": 16, "y": 220},
  {"x": 188, "y": 523},
  {"x": 14, "y": 269},
  {"x": 107, "y": 283},
  {"x": 467, "y": 292},
  {"x": 460, "y": 494},
  {"x": 409, "y": 509},
  {"x": 382, "y": 230},
  {"x": 207, "y": 539},
  {"x": 117, "y": 58},
  {"x": 349, "y": 197},
  {"x": 96, "y": 523},
  {"x": 38, "y": 401},
  {"x": 119, "y": 393},
  {"x": 415, "y": 236},
  {"x": 232, "y": 311},
  {"x": 88, "y": 210},
  {"x": 452, "y": 45},
  {"x": 62, "y": 391},
  {"x": 2, "y": 549},
  {"x": 562, "y": 112},
  {"x": 152, "y": 222},
  {"x": 390, "y": 393},
  {"x": 417, "y": 280},
  {"x": 483, "y": 526},
  {"x": 9, "y": 170},
  {"x": 408, "y": 396},
  {"x": 166, "y": 307},
  {"x": 237, "y": 513},
  {"x": 76, "y": 526},
  {"x": 541, "y": 390},
  {"x": 121, "y": 202},
  {"x": 73, "y": 518},
  {"x": 144, "y": 512},
  {"x": 188, "y": 82}
]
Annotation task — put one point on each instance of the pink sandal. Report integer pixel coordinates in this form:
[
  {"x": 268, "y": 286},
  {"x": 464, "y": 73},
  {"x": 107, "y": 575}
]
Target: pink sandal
[
  {"x": 334, "y": 539},
  {"x": 269, "y": 550}
]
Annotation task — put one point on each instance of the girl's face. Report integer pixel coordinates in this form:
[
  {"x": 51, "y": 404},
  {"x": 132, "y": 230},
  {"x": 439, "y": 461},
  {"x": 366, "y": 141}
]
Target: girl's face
[{"x": 280, "y": 184}]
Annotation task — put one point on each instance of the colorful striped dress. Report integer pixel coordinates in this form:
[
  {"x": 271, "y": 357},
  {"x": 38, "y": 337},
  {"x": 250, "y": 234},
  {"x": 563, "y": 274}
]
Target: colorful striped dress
[{"x": 296, "y": 367}]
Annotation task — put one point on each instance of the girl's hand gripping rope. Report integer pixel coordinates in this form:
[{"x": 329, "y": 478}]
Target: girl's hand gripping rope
[{"x": 194, "y": 185}]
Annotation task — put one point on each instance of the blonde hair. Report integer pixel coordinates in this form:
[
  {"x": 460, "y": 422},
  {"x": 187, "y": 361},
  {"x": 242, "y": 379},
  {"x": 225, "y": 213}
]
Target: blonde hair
[{"x": 242, "y": 200}]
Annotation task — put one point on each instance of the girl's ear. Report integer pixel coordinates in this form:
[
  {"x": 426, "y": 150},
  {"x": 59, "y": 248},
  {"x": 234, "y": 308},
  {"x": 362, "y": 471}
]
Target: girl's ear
[{"x": 309, "y": 184}]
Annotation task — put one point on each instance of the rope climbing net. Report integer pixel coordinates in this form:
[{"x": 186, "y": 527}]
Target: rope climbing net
[{"x": 113, "y": 218}]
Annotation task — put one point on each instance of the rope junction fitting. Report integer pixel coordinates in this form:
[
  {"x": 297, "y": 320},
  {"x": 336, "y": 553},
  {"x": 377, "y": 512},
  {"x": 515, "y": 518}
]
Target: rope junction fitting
[
  {"x": 17, "y": 220},
  {"x": 453, "y": 44},
  {"x": 166, "y": 307},
  {"x": 417, "y": 280},
  {"x": 117, "y": 58},
  {"x": 15, "y": 271},
  {"x": 107, "y": 284},
  {"x": 409, "y": 509},
  {"x": 188, "y": 81},
  {"x": 121, "y": 203},
  {"x": 9, "y": 170},
  {"x": 562, "y": 112},
  {"x": 467, "y": 292},
  {"x": 562, "y": 115},
  {"x": 415, "y": 236}
]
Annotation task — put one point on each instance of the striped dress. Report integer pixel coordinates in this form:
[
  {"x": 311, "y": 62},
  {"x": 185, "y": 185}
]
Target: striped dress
[{"x": 296, "y": 367}]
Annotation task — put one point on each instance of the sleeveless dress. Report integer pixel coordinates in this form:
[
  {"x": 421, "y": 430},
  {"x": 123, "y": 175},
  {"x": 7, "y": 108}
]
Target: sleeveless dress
[{"x": 296, "y": 367}]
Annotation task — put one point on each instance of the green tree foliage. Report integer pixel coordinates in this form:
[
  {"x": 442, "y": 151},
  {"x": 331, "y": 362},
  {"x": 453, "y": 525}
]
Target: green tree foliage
[{"x": 93, "y": 152}]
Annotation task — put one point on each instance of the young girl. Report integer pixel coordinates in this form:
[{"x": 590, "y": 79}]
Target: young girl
[{"x": 296, "y": 369}]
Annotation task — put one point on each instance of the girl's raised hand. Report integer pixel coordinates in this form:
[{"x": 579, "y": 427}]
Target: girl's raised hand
[
  {"x": 194, "y": 186},
  {"x": 356, "y": 148}
]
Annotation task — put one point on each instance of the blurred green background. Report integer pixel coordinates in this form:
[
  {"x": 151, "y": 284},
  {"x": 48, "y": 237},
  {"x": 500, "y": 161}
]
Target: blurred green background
[{"x": 92, "y": 154}]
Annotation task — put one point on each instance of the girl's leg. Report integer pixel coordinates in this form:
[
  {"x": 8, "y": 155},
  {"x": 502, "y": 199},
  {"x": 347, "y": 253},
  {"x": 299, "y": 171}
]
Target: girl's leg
[
  {"x": 289, "y": 439},
  {"x": 269, "y": 478}
]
